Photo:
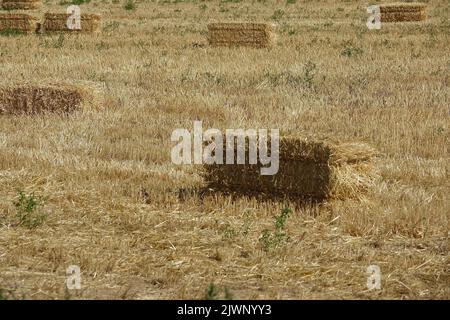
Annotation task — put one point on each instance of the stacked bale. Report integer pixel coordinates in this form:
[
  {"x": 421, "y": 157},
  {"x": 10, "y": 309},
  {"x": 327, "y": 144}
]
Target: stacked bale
[
  {"x": 57, "y": 22},
  {"x": 33, "y": 98},
  {"x": 257, "y": 35},
  {"x": 21, "y": 4},
  {"x": 403, "y": 12},
  {"x": 20, "y": 22},
  {"x": 308, "y": 170}
]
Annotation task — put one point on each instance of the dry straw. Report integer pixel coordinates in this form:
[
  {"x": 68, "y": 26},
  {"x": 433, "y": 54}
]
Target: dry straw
[
  {"x": 403, "y": 12},
  {"x": 257, "y": 35},
  {"x": 57, "y": 22},
  {"x": 309, "y": 170},
  {"x": 17, "y": 22},
  {"x": 34, "y": 98},
  {"x": 21, "y": 4}
]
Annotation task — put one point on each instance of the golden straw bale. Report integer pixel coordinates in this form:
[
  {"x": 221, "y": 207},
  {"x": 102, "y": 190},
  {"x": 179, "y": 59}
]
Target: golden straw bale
[
  {"x": 18, "y": 22},
  {"x": 403, "y": 17},
  {"x": 57, "y": 22},
  {"x": 21, "y": 4},
  {"x": 403, "y": 12},
  {"x": 33, "y": 98},
  {"x": 403, "y": 7},
  {"x": 313, "y": 170},
  {"x": 257, "y": 35}
]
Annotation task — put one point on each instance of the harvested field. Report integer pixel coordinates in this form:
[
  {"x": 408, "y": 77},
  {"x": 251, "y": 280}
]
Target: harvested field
[
  {"x": 110, "y": 199},
  {"x": 258, "y": 35},
  {"x": 57, "y": 22},
  {"x": 17, "y": 22},
  {"x": 54, "y": 98},
  {"x": 21, "y": 4},
  {"x": 308, "y": 170}
]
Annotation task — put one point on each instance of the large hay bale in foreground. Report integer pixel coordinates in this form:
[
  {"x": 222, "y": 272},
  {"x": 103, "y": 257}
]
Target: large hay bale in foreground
[
  {"x": 308, "y": 170},
  {"x": 27, "y": 98},
  {"x": 17, "y": 22},
  {"x": 21, "y": 4},
  {"x": 257, "y": 35},
  {"x": 57, "y": 22},
  {"x": 403, "y": 12}
]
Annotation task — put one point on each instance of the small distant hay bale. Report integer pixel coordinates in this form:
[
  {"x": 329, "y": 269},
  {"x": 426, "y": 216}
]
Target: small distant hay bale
[
  {"x": 21, "y": 22},
  {"x": 57, "y": 22},
  {"x": 403, "y": 12},
  {"x": 308, "y": 170},
  {"x": 27, "y": 98},
  {"x": 21, "y": 4},
  {"x": 256, "y": 35}
]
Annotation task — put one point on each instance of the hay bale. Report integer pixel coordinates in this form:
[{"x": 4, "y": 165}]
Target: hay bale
[
  {"x": 403, "y": 17},
  {"x": 403, "y": 12},
  {"x": 57, "y": 22},
  {"x": 312, "y": 170},
  {"x": 17, "y": 22},
  {"x": 403, "y": 7},
  {"x": 257, "y": 35},
  {"x": 30, "y": 98},
  {"x": 21, "y": 4}
]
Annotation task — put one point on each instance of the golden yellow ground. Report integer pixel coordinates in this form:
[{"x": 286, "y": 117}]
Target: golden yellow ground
[{"x": 113, "y": 204}]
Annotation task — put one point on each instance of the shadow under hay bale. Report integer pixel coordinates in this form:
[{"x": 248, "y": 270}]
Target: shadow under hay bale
[
  {"x": 308, "y": 171},
  {"x": 22, "y": 99},
  {"x": 20, "y": 22},
  {"x": 256, "y": 35},
  {"x": 403, "y": 12},
  {"x": 21, "y": 4},
  {"x": 57, "y": 22}
]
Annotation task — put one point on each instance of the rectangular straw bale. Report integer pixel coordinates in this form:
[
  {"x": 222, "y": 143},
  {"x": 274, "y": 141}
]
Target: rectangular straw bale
[
  {"x": 314, "y": 170},
  {"x": 62, "y": 98},
  {"x": 21, "y": 4},
  {"x": 403, "y": 12},
  {"x": 17, "y": 22},
  {"x": 257, "y": 35},
  {"x": 403, "y": 7},
  {"x": 403, "y": 16},
  {"x": 57, "y": 22}
]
